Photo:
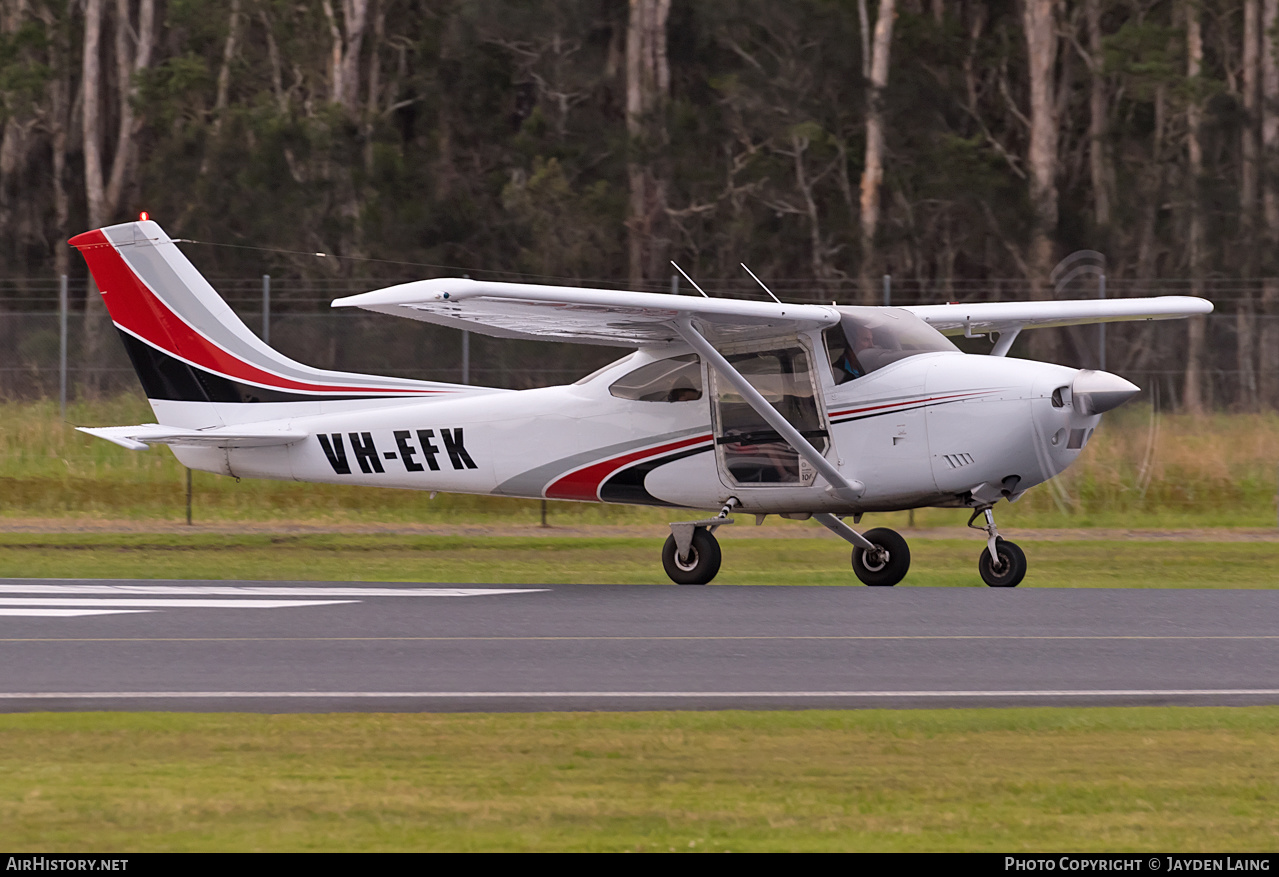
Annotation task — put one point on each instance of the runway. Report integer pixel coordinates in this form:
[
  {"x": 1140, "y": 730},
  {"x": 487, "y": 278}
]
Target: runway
[{"x": 326, "y": 647}]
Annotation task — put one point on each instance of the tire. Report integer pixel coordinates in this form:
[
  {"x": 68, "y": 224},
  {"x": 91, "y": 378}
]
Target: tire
[
  {"x": 703, "y": 559},
  {"x": 890, "y": 570},
  {"x": 1012, "y": 560}
]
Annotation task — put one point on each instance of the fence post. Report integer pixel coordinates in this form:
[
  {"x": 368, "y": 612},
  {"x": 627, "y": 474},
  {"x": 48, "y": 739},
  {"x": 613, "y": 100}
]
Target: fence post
[
  {"x": 266, "y": 308},
  {"x": 466, "y": 356},
  {"x": 62, "y": 347},
  {"x": 888, "y": 290},
  {"x": 674, "y": 284}
]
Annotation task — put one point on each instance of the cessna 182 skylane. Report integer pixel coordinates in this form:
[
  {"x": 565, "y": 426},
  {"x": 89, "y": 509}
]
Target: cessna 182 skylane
[{"x": 799, "y": 410}]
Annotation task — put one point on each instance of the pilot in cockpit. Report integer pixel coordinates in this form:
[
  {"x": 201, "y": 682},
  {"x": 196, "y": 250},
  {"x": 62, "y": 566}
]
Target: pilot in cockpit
[{"x": 845, "y": 364}]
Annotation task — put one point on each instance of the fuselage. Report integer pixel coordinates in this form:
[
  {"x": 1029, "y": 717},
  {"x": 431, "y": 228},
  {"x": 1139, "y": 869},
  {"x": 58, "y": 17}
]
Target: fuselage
[{"x": 933, "y": 429}]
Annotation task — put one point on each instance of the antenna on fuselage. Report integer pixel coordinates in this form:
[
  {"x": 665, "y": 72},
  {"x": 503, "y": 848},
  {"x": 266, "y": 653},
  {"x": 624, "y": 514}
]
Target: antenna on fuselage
[
  {"x": 690, "y": 280},
  {"x": 761, "y": 283}
]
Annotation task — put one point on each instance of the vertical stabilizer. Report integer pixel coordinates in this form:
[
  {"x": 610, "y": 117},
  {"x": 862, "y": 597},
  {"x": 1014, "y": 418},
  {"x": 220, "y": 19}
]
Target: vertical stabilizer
[{"x": 198, "y": 363}]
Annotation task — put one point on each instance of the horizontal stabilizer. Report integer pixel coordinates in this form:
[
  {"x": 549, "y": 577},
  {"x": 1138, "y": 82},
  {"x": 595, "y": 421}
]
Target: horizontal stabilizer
[{"x": 142, "y": 436}]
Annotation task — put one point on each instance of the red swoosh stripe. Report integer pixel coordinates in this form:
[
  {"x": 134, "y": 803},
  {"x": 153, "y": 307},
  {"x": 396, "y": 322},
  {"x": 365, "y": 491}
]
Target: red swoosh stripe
[
  {"x": 584, "y": 484},
  {"x": 137, "y": 310}
]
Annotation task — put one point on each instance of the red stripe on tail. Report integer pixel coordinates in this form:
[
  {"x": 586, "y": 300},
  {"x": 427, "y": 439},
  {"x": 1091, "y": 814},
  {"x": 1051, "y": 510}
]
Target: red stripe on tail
[{"x": 134, "y": 308}]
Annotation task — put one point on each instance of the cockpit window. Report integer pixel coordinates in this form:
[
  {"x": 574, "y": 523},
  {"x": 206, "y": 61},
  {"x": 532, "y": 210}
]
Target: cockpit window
[
  {"x": 678, "y": 379},
  {"x": 870, "y": 338}
]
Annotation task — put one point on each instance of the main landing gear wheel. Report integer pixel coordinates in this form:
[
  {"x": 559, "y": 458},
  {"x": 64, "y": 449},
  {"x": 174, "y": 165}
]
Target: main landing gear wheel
[
  {"x": 1012, "y": 565},
  {"x": 702, "y": 562},
  {"x": 888, "y": 565}
]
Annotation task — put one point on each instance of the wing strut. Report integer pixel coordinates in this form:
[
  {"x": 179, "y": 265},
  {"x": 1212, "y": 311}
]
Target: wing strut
[
  {"x": 840, "y": 486},
  {"x": 1005, "y": 342}
]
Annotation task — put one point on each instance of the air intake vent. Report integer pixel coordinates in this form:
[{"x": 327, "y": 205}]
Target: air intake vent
[{"x": 958, "y": 461}]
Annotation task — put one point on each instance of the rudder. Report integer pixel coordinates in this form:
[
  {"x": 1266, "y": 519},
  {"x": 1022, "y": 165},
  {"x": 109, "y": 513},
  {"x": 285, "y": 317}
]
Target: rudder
[{"x": 187, "y": 345}]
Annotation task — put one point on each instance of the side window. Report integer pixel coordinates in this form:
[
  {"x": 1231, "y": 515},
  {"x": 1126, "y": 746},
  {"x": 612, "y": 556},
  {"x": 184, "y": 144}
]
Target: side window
[
  {"x": 844, "y": 365},
  {"x": 678, "y": 379}
]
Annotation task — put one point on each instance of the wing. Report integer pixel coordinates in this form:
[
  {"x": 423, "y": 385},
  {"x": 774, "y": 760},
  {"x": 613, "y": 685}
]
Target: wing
[
  {"x": 976, "y": 319},
  {"x": 588, "y": 316},
  {"x": 139, "y": 438}
]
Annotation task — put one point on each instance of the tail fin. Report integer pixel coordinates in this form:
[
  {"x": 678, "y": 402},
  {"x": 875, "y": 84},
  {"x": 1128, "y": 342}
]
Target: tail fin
[{"x": 187, "y": 345}]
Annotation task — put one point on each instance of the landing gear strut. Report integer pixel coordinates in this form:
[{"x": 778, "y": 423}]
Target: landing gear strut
[
  {"x": 1002, "y": 564},
  {"x": 691, "y": 555},
  {"x": 880, "y": 558}
]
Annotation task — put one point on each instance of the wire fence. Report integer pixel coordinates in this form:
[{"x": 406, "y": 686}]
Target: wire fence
[{"x": 43, "y": 351}]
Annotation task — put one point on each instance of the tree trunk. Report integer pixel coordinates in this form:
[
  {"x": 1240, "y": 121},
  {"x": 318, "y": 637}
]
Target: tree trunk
[
  {"x": 1194, "y": 397},
  {"x": 224, "y": 72},
  {"x": 95, "y": 326},
  {"x": 1268, "y": 336},
  {"x": 16, "y": 145},
  {"x": 1246, "y": 397},
  {"x": 104, "y": 192},
  {"x": 1099, "y": 163},
  {"x": 873, "y": 169},
  {"x": 344, "y": 80},
  {"x": 344, "y": 54},
  {"x": 1041, "y": 159},
  {"x": 91, "y": 77},
  {"x": 648, "y": 82}
]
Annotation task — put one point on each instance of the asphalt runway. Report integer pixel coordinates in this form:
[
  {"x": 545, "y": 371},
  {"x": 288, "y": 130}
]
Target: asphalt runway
[{"x": 329, "y": 647}]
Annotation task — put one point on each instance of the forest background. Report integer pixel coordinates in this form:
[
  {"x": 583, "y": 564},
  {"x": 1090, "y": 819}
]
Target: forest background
[{"x": 961, "y": 148}]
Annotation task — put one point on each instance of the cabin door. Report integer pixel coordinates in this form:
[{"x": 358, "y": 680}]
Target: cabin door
[{"x": 748, "y": 451}]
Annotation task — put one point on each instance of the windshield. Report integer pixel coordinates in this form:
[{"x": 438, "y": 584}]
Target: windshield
[{"x": 867, "y": 339}]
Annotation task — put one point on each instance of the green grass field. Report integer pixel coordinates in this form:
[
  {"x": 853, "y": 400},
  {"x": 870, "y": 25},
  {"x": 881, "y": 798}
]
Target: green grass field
[
  {"x": 1036, "y": 780},
  {"x": 1140, "y": 470},
  {"x": 1150, "y": 779},
  {"x": 616, "y": 560}
]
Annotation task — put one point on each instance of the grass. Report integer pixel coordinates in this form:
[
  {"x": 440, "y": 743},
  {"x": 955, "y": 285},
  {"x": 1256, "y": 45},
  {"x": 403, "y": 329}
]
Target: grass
[
  {"x": 1139, "y": 470},
  {"x": 613, "y": 560},
  {"x": 1152, "y": 779}
]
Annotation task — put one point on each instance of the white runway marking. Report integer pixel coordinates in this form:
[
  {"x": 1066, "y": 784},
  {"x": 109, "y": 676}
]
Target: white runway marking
[
  {"x": 129, "y": 602},
  {"x": 259, "y": 590},
  {"x": 440, "y": 695},
  {"x": 67, "y": 613},
  {"x": 105, "y": 599}
]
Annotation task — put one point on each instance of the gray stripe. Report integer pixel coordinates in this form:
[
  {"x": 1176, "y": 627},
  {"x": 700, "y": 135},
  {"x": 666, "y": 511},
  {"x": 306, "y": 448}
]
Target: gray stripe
[
  {"x": 159, "y": 270},
  {"x": 532, "y": 482}
]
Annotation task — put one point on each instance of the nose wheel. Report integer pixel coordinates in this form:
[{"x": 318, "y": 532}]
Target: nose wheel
[
  {"x": 1002, "y": 563},
  {"x": 1011, "y": 566}
]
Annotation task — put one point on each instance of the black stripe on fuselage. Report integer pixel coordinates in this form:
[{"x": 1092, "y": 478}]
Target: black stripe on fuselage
[
  {"x": 893, "y": 411},
  {"x": 168, "y": 378},
  {"x": 627, "y": 486}
]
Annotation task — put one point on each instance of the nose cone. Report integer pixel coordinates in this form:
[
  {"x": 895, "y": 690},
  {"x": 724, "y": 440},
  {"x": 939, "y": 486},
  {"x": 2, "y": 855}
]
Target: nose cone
[{"x": 1095, "y": 392}]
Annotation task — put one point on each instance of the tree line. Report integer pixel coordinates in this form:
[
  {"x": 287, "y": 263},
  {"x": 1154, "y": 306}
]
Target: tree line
[{"x": 823, "y": 142}]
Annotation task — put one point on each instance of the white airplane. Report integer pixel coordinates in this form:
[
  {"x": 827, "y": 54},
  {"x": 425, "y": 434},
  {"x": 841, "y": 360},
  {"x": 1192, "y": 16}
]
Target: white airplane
[{"x": 799, "y": 410}]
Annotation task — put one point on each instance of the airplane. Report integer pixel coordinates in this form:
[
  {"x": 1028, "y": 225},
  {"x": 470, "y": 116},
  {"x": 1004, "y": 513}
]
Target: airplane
[{"x": 756, "y": 407}]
